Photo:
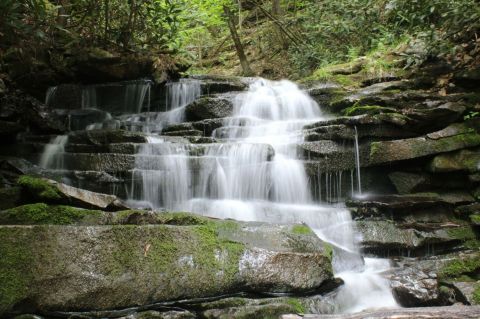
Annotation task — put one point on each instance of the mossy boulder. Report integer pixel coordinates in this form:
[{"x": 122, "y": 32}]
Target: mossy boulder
[
  {"x": 454, "y": 137},
  {"x": 80, "y": 268},
  {"x": 463, "y": 160},
  {"x": 49, "y": 191},
  {"x": 41, "y": 213}
]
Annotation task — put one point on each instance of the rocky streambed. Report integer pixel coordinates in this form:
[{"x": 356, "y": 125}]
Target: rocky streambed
[{"x": 78, "y": 238}]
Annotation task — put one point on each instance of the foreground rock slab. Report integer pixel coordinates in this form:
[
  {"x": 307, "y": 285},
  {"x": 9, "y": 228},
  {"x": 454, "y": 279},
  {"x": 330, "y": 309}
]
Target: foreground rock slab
[
  {"x": 52, "y": 268},
  {"x": 454, "y": 312}
]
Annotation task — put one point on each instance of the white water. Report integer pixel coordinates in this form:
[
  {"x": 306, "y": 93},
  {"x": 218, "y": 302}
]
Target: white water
[
  {"x": 52, "y": 156},
  {"x": 254, "y": 175},
  {"x": 357, "y": 162}
]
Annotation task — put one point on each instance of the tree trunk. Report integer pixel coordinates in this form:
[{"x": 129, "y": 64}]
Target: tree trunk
[
  {"x": 107, "y": 19},
  {"x": 276, "y": 8},
  {"x": 247, "y": 71}
]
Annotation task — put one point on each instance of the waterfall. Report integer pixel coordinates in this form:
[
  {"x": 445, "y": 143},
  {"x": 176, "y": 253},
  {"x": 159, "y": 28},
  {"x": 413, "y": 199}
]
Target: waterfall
[
  {"x": 50, "y": 96},
  {"x": 182, "y": 93},
  {"x": 253, "y": 173},
  {"x": 52, "y": 156},
  {"x": 357, "y": 163},
  {"x": 178, "y": 96}
]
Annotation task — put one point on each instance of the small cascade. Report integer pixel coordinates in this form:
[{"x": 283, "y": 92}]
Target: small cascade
[
  {"x": 357, "y": 163},
  {"x": 182, "y": 93},
  {"x": 52, "y": 156},
  {"x": 179, "y": 95},
  {"x": 50, "y": 96},
  {"x": 162, "y": 176},
  {"x": 89, "y": 97}
]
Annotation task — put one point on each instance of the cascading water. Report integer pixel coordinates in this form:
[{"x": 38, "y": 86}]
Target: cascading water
[
  {"x": 254, "y": 174},
  {"x": 179, "y": 95},
  {"x": 357, "y": 163},
  {"x": 52, "y": 156}
]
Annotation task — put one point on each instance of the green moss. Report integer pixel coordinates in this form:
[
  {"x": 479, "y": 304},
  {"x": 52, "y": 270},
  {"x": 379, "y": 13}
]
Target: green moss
[
  {"x": 41, "y": 213},
  {"x": 375, "y": 147},
  {"x": 475, "y": 218},
  {"x": 301, "y": 230},
  {"x": 39, "y": 187},
  {"x": 15, "y": 265},
  {"x": 328, "y": 251},
  {"x": 476, "y": 294},
  {"x": 473, "y": 244},
  {"x": 463, "y": 266},
  {"x": 210, "y": 245},
  {"x": 344, "y": 80},
  {"x": 463, "y": 233},
  {"x": 182, "y": 219},
  {"x": 357, "y": 109},
  {"x": 297, "y": 305},
  {"x": 162, "y": 250}
]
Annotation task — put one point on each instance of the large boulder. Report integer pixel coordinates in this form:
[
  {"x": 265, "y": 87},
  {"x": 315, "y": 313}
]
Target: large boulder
[
  {"x": 453, "y": 137},
  {"x": 177, "y": 256},
  {"x": 411, "y": 182},
  {"x": 385, "y": 238},
  {"x": 42, "y": 189},
  {"x": 209, "y": 107},
  {"x": 463, "y": 160}
]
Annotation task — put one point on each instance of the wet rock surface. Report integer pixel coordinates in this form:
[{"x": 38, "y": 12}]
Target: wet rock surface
[
  {"x": 124, "y": 259},
  {"x": 210, "y": 107},
  {"x": 418, "y": 155}
]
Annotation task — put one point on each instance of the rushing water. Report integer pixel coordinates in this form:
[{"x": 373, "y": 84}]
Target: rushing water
[
  {"x": 252, "y": 173},
  {"x": 52, "y": 156}
]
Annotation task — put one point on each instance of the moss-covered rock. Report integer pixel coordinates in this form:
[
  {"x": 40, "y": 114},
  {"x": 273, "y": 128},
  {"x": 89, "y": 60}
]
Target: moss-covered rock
[
  {"x": 39, "y": 188},
  {"x": 367, "y": 109},
  {"x": 463, "y": 160},
  {"x": 452, "y": 138},
  {"x": 40, "y": 213},
  {"x": 463, "y": 266},
  {"x": 72, "y": 268},
  {"x": 49, "y": 191}
]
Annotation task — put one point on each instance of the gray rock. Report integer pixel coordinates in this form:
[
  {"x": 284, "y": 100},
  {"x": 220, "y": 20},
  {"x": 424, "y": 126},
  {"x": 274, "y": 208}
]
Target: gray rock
[
  {"x": 452, "y": 312},
  {"x": 414, "y": 287},
  {"x": 388, "y": 238},
  {"x": 463, "y": 160},
  {"x": 209, "y": 107},
  {"x": 454, "y": 137},
  {"x": 466, "y": 291},
  {"x": 407, "y": 183},
  {"x": 70, "y": 268},
  {"x": 99, "y": 162},
  {"x": 161, "y": 315},
  {"x": 105, "y": 137}
]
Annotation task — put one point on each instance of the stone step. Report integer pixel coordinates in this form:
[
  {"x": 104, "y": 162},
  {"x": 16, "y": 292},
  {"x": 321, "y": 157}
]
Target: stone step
[{"x": 214, "y": 257}]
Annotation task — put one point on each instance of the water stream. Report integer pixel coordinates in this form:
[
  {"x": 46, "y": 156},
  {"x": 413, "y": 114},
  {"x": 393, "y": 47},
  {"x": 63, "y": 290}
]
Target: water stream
[{"x": 253, "y": 173}]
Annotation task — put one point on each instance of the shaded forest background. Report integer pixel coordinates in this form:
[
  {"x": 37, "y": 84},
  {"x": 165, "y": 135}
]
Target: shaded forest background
[{"x": 279, "y": 38}]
